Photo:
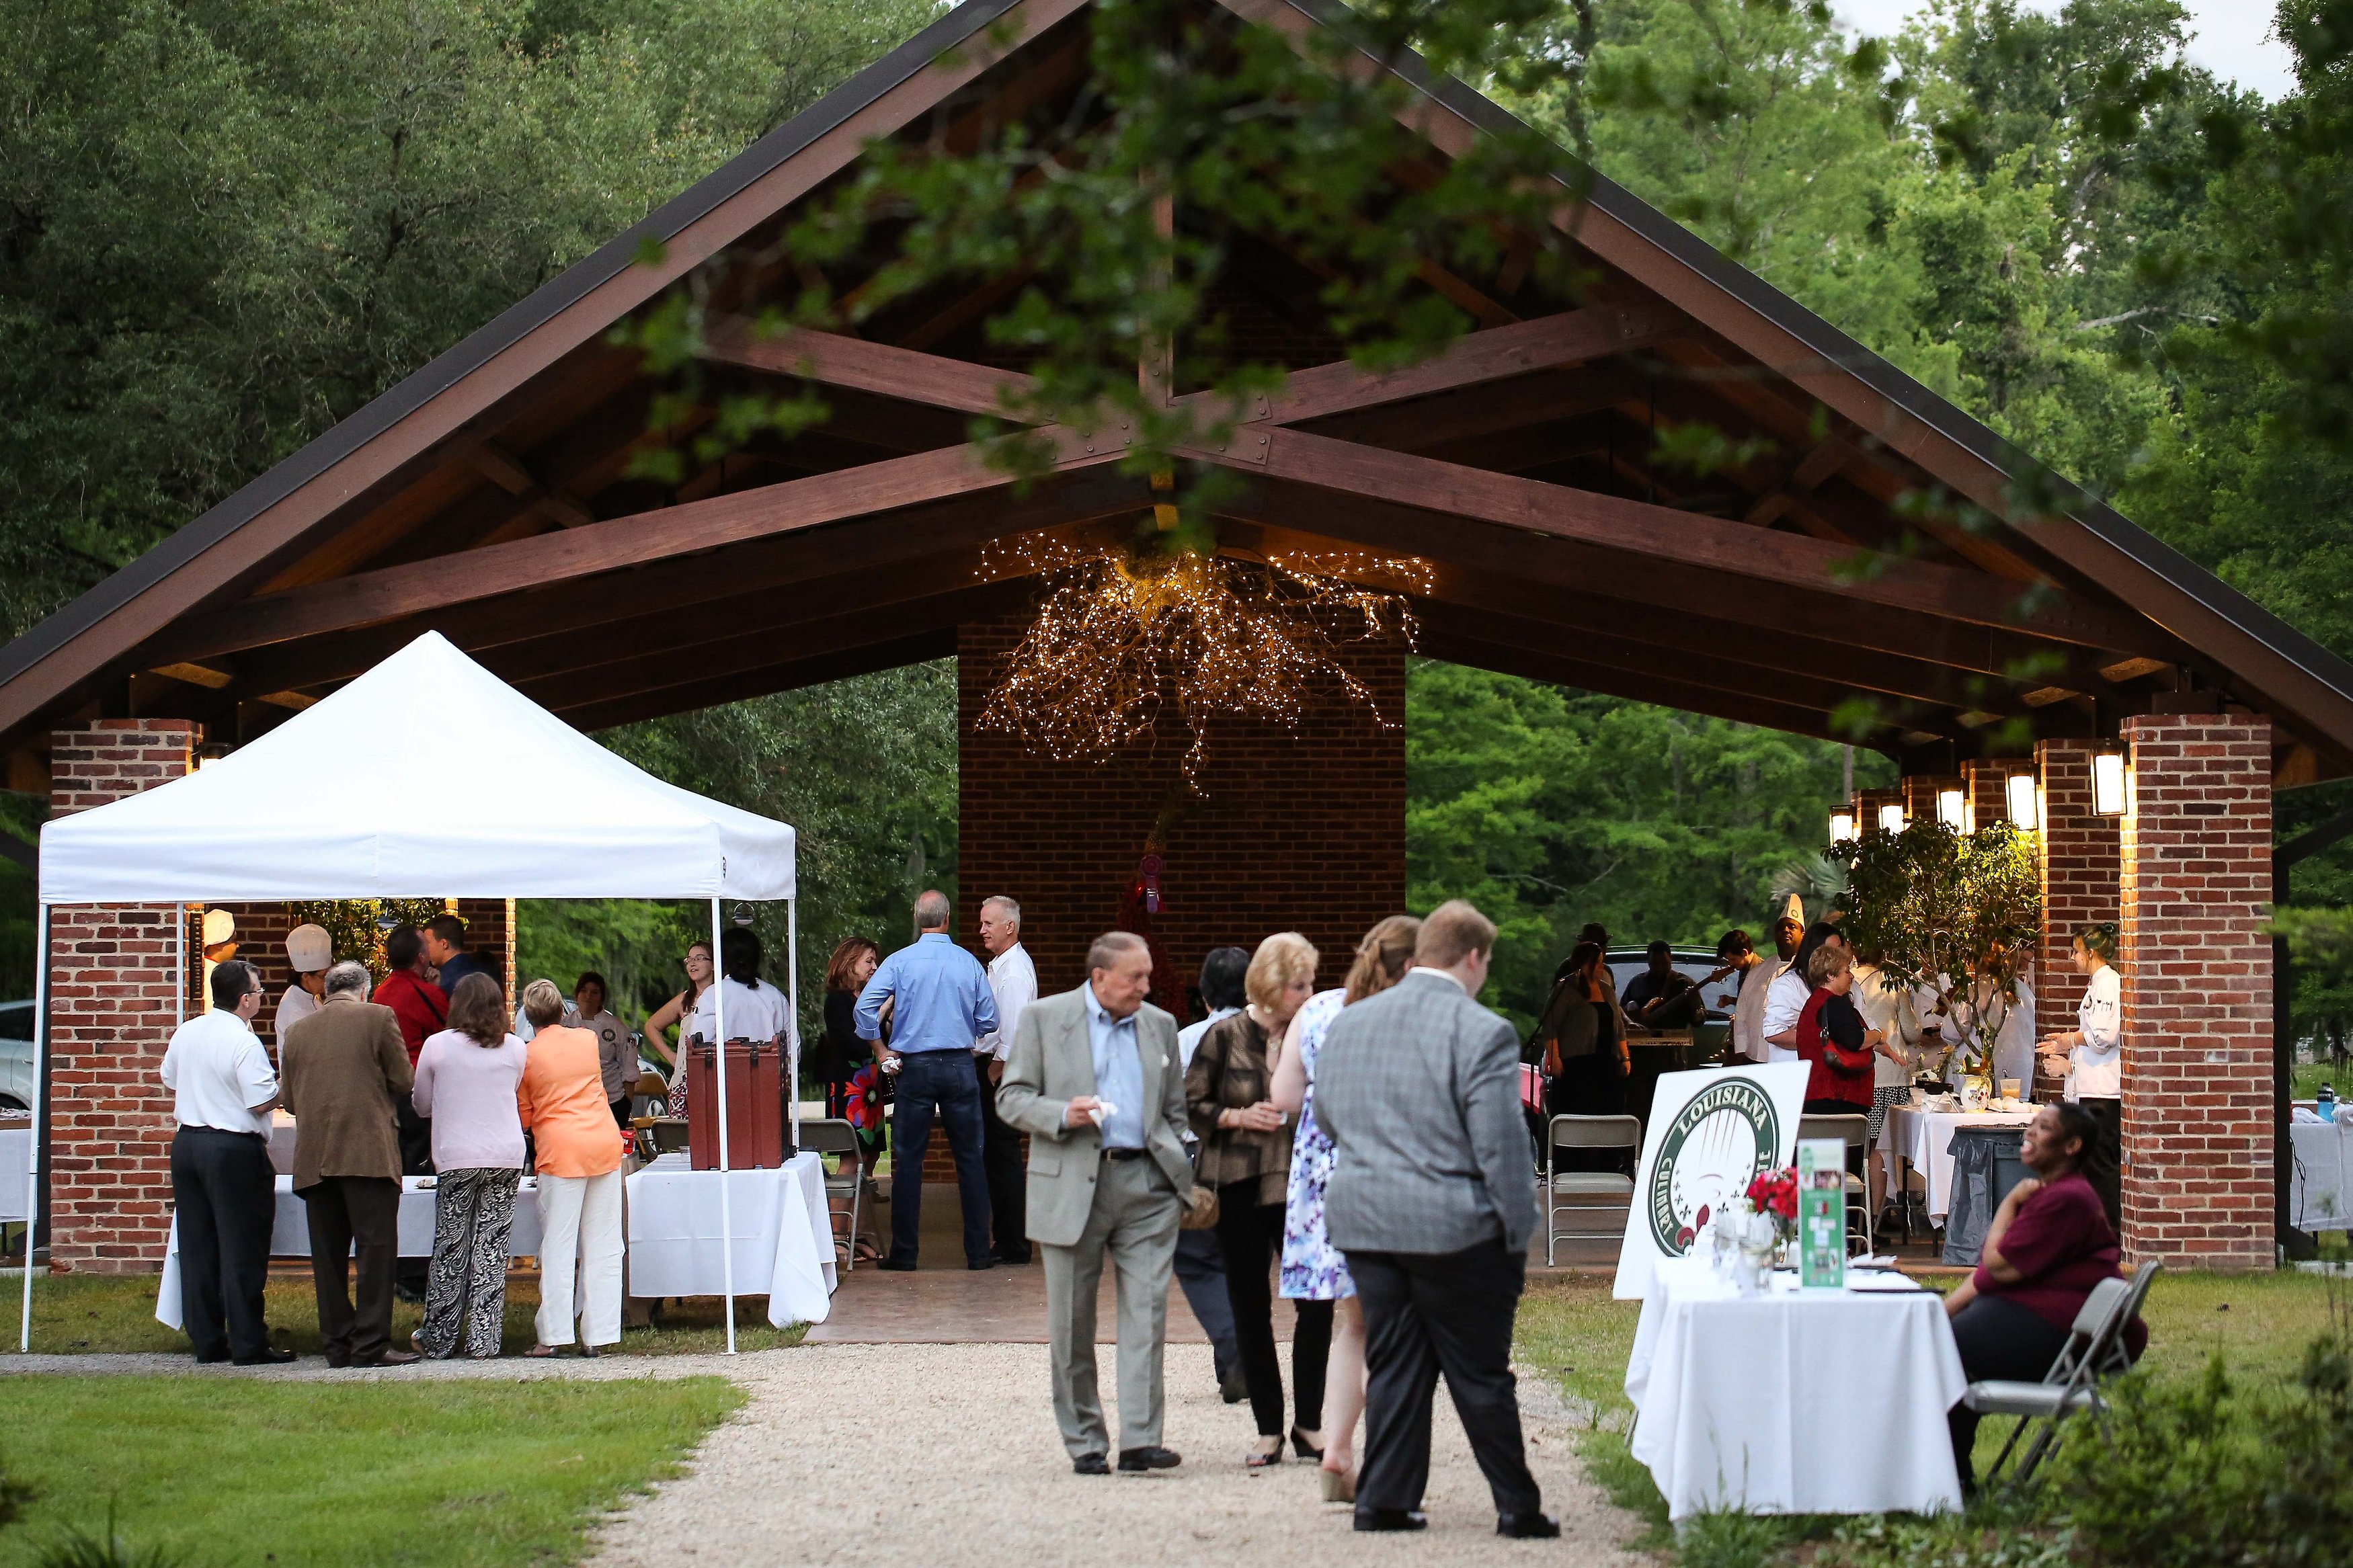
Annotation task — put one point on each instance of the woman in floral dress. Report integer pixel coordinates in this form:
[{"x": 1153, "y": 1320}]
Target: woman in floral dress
[{"x": 1313, "y": 1270}]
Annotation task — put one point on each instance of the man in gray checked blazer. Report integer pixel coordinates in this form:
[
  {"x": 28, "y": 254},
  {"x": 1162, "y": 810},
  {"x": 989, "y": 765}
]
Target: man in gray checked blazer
[
  {"x": 1095, "y": 1077},
  {"x": 1433, "y": 1198}
]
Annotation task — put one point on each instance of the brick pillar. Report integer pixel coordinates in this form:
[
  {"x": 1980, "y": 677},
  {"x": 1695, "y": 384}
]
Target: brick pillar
[
  {"x": 2194, "y": 851},
  {"x": 1988, "y": 786},
  {"x": 113, "y": 984},
  {"x": 1919, "y": 792},
  {"x": 2079, "y": 887},
  {"x": 490, "y": 935}
]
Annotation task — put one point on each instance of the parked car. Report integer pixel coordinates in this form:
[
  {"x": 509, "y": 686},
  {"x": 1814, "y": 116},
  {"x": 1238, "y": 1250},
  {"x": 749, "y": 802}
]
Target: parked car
[
  {"x": 1695, "y": 964},
  {"x": 16, "y": 1056}
]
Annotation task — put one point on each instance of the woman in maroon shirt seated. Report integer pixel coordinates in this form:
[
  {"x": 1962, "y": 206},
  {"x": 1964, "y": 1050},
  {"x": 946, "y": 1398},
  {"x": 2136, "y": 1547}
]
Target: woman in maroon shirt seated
[{"x": 2048, "y": 1243}]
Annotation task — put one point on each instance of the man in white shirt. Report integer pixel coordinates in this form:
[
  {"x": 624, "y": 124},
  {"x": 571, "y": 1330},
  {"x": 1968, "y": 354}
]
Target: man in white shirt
[
  {"x": 309, "y": 953},
  {"x": 1013, "y": 981},
  {"x": 1748, "y": 1008},
  {"x": 223, "y": 1189}
]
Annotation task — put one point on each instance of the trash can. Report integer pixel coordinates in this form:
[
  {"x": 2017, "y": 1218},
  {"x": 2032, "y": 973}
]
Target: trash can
[{"x": 1986, "y": 1165}]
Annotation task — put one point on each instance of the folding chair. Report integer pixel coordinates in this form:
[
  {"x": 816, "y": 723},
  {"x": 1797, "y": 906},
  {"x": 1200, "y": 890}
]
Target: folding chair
[
  {"x": 833, "y": 1135},
  {"x": 1616, "y": 1190},
  {"x": 1854, "y": 1132},
  {"x": 2094, "y": 1349}
]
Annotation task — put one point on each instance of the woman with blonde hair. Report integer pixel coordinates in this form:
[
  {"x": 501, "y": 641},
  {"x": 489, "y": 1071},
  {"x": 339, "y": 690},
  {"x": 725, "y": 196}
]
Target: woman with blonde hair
[
  {"x": 561, "y": 1101},
  {"x": 1246, "y": 1158},
  {"x": 1313, "y": 1269},
  {"x": 467, "y": 1079}
]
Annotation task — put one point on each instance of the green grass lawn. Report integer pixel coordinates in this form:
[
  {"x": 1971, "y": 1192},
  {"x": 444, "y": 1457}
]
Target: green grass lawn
[
  {"x": 248, "y": 1471},
  {"x": 1571, "y": 1331},
  {"x": 100, "y": 1312}
]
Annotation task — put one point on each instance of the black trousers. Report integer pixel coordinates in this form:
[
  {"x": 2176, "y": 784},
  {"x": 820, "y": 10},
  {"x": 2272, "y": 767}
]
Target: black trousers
[
  {"x": 1000, "y": 1157},
  {"x": 226, "y": 1197},
  {"x": 1842, "y": 1108},
  {"x": 2107, "y": 1172},
  {"x": 416, "y": 1160},
  {"x": 352, "y": 1214},
  {"x": 1249, "y": 1233},
  {"x": 1997, "y": 1339},
  {"x": 1431, "y": 1313}
]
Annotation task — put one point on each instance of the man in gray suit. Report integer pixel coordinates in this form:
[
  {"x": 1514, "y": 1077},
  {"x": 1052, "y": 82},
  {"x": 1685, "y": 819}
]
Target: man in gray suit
[
  {"x": 1433, "y": 1198},
  {"x": 1094, "y": 1078}
]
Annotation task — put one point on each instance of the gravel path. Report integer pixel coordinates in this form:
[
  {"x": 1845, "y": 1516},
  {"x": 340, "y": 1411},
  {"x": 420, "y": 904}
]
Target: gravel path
[{"x": 888, "y": 1454}]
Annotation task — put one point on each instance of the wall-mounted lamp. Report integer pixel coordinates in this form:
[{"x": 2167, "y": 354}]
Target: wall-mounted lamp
[
  {"x": 2025, "y": 806},
  {"x": 2108, "y": 782},
  {"x": 1891, "y": 818},
  {"x": 1841, "y": 826},
  {"x": 1953, "y": 809}
]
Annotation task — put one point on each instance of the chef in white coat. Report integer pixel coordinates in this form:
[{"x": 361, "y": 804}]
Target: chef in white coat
[
  {"x": 309, "y": 953},
  {"x": 2094, "y": 1051}
]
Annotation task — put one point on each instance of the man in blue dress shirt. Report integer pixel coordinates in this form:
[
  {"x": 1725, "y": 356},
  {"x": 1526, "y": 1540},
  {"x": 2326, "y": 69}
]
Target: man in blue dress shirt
[{"x": 941, "y": 1007}]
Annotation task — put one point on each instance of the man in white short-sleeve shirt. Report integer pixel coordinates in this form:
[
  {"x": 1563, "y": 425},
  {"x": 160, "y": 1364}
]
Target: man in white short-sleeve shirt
[
  {"x": 1013, "y": 981},
  {"x": 1791, "y": 992},
  {"x": 224, "y": 1192}
]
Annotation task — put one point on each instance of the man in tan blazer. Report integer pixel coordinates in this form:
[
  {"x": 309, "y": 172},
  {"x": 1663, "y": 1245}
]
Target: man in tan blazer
[
  {"x": 343, "y": 1069},
  {"x": 1094, "y": 1076}
]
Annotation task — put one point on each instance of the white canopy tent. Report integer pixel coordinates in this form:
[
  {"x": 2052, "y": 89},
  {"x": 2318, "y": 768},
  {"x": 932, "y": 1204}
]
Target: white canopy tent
[{"x": 427, "y": 777}]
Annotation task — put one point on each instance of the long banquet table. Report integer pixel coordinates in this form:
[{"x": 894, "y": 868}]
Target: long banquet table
[
  {"x": 783, "y": 1239},
  {"x": 1797, "y": 1401},
  {"x": 1925, "y": 1139}
]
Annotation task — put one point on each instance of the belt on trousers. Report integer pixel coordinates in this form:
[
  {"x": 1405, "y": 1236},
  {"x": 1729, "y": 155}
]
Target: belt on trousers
[{"x": 1123, "y": 1154}]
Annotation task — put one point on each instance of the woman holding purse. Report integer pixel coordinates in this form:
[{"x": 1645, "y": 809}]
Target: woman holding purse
[{"x": 1833, "y": 1041}]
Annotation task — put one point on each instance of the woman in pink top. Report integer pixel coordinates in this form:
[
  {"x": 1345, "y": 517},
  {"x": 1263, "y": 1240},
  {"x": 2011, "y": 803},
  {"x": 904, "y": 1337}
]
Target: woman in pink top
[
  {"x": 561, "y": 1101},
  {"x": 466, "y": 1077}
]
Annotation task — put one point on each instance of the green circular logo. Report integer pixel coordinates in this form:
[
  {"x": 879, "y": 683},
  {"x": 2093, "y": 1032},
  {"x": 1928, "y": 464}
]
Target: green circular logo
[{"x": 1711, "y": 1152}]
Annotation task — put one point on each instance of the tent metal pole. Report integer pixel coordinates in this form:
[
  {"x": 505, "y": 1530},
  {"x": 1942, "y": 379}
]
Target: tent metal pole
[
  {"x": 33, "y": 1135},
  {"x": 793, "y": 996},
  {"x": 719, "y": 1059}
]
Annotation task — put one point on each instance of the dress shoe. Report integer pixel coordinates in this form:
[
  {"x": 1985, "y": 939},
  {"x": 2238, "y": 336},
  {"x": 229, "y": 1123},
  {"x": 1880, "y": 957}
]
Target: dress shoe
[
  {"x": 1233, "y": 1388},
  {"x": 1090, "y": 1465},
  {"x": 1015, "y": 1258},
  {"x": 978, "y": 1264},
  {"x": 893, "y": 1265},
  {"x": 338, "y": 1363},
  {"x": 1391, "y": 1518},
  {"x": 1136, "y": 1460},
  {"x": 392, "y": 1358},
  {"x": 213, "y": 1358},
  {"x": 1528, "y": 1526},
  {"x": 265, "y": 1358}
]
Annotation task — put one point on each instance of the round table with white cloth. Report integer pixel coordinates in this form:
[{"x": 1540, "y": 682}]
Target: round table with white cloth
[
  {"x": 1924, "y": 1137},
  {"x": 1795, "y": 1401},
  {"x": 2319, "y": 1190}
]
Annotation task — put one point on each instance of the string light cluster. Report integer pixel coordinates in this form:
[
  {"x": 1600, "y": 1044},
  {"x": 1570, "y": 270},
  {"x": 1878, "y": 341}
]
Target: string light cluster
[{"x": 1128, "y": 633}]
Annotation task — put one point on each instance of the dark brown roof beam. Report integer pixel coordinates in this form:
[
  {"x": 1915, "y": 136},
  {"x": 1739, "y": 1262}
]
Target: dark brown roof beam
[{"x": 693, "y": 692}]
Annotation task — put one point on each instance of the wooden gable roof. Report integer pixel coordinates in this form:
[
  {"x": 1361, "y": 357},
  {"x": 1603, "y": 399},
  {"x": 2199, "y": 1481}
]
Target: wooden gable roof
[{"x": 489, "y": 496}]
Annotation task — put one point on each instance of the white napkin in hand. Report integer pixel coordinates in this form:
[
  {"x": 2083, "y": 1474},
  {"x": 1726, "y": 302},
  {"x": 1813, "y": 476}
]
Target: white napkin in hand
[{"x": 1103, "y": 1109}]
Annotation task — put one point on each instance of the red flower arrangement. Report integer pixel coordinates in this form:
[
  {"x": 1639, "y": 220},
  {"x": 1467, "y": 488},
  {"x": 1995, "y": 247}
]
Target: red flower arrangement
[{"x": 1776, "y": 1193}]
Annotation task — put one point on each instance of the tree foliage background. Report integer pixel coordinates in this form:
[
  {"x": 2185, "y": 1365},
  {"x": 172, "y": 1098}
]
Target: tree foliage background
[{"x": 224, "y": 225}]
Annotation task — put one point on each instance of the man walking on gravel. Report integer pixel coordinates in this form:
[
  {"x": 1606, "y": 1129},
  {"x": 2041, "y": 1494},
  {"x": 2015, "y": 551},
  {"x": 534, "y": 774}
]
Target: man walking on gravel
[{"x": 1094, "y": 1076}]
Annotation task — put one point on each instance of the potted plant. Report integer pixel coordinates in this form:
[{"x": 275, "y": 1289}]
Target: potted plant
[{"x": 1957, "y": 914}]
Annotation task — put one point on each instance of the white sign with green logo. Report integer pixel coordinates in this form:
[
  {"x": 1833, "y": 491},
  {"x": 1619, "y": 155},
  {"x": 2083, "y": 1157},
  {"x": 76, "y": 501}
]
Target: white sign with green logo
[{"x": 1710, "y": 1133}]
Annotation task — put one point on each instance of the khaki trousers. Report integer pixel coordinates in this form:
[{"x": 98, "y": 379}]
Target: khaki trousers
[{"x": 1134, "y": 1218}]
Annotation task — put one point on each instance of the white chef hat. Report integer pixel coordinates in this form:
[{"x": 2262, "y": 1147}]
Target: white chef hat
[
  {"x": 309, "y": 949},
  {"x": 220, "y": 926},
  {"x": 1796, "y": 911}
]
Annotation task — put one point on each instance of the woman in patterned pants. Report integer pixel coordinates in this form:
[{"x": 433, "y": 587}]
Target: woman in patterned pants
[{"x": 466, "y": 1078}]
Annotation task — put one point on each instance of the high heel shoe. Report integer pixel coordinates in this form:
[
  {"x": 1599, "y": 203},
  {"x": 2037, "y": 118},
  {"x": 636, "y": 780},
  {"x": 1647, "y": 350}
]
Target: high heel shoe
[
  {"x": 1305, "y": 1449},
  {"x": 1260, "y": 1459},
  {"x": 1339, "y": 1485}
]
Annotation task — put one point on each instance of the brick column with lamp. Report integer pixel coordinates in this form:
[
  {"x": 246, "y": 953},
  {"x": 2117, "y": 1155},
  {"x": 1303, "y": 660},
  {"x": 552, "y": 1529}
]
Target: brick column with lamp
[
  {"x": 113, "y": 973},
  {"x": 2194, "y": 856},
  {"x": 2078, "y": 850}
]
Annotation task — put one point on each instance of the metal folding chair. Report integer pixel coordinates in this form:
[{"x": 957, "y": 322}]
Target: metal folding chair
[
  {"x": 1614, "y": 1190},
  {"x": 833, "y": 1135},
  {"x": 1854, "y": 1132},
  {"x": 2094, "y": 1349}
]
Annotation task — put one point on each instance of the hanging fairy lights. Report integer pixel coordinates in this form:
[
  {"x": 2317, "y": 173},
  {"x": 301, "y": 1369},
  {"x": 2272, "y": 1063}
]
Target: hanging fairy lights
[{"x": 1129, "y": 634}]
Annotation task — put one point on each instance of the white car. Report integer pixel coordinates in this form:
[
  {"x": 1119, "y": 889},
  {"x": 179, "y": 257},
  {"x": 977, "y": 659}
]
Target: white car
[{"x": 16, "y": 1057}]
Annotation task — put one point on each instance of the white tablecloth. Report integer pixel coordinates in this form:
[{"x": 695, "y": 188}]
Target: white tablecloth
[
  {"x": 1926, "y": 1137},
  {"x": 16, "y": 1148},
  {"x": 289, "y": 1234},
  {"x": 781, "y": 1241},
  {"x": 2319, "y": 1190},
  {"x": 1796, "y": 1402}
]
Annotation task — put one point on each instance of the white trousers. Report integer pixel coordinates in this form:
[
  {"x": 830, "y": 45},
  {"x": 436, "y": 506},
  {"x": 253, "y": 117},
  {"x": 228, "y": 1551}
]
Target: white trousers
[{"x": 580, "y": 1258}]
